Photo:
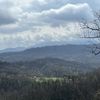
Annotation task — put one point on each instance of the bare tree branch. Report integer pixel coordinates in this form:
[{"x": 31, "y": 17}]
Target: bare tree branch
[{"x": 92, "y": 31}]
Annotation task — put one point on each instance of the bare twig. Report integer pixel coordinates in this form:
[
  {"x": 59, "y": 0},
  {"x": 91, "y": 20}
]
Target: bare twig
[{"x": 92, "y": 31}]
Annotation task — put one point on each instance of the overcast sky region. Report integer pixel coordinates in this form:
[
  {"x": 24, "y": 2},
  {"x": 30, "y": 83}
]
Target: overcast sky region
[{"x": 25, "y": 23}]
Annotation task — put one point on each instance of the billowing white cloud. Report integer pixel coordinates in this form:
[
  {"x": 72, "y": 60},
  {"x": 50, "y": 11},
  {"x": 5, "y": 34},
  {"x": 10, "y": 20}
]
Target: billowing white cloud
[
  {"x": 65, "y": 14},
  {"x": 49, "y": 36}
]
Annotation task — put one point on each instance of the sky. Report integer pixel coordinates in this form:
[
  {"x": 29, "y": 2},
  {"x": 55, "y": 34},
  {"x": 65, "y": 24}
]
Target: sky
[{"x": 32, "y": 23}]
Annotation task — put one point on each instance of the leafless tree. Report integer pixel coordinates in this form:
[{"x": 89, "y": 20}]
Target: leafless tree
[{"x": 92, "y": 31}]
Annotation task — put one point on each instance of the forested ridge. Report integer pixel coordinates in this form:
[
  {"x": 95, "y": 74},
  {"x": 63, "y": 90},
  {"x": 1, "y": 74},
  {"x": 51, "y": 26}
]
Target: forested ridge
[{"x": 50, "y": 67}]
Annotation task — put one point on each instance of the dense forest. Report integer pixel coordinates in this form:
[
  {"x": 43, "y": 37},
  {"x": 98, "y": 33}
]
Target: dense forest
[{"x": 69, "y": 87}]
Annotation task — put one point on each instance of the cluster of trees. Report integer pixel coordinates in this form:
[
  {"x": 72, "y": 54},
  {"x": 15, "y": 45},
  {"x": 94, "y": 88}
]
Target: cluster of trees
[{"x": 83, "y": 87}]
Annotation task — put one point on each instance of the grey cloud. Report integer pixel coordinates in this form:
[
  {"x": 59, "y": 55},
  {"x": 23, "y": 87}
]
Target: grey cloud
[
  {"x": 36, "y": 5},
  {"x": 94, "y": 4},
  {"x": 7, "y": 16}
]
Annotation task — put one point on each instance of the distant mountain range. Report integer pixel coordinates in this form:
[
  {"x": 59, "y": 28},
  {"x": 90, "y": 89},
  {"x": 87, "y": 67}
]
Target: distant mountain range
[
  {"x": 78, "y": 53},
  {"x": 17, "y": 49}
]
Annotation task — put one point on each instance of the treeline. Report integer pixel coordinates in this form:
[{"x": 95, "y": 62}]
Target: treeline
[{"x": 82, "y": 87}]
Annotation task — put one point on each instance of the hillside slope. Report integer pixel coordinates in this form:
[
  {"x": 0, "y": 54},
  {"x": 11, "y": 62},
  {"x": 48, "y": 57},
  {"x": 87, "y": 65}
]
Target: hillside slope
[
  {"x": 44, "y": 67},
  {"x": 78, "y": 53}
]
